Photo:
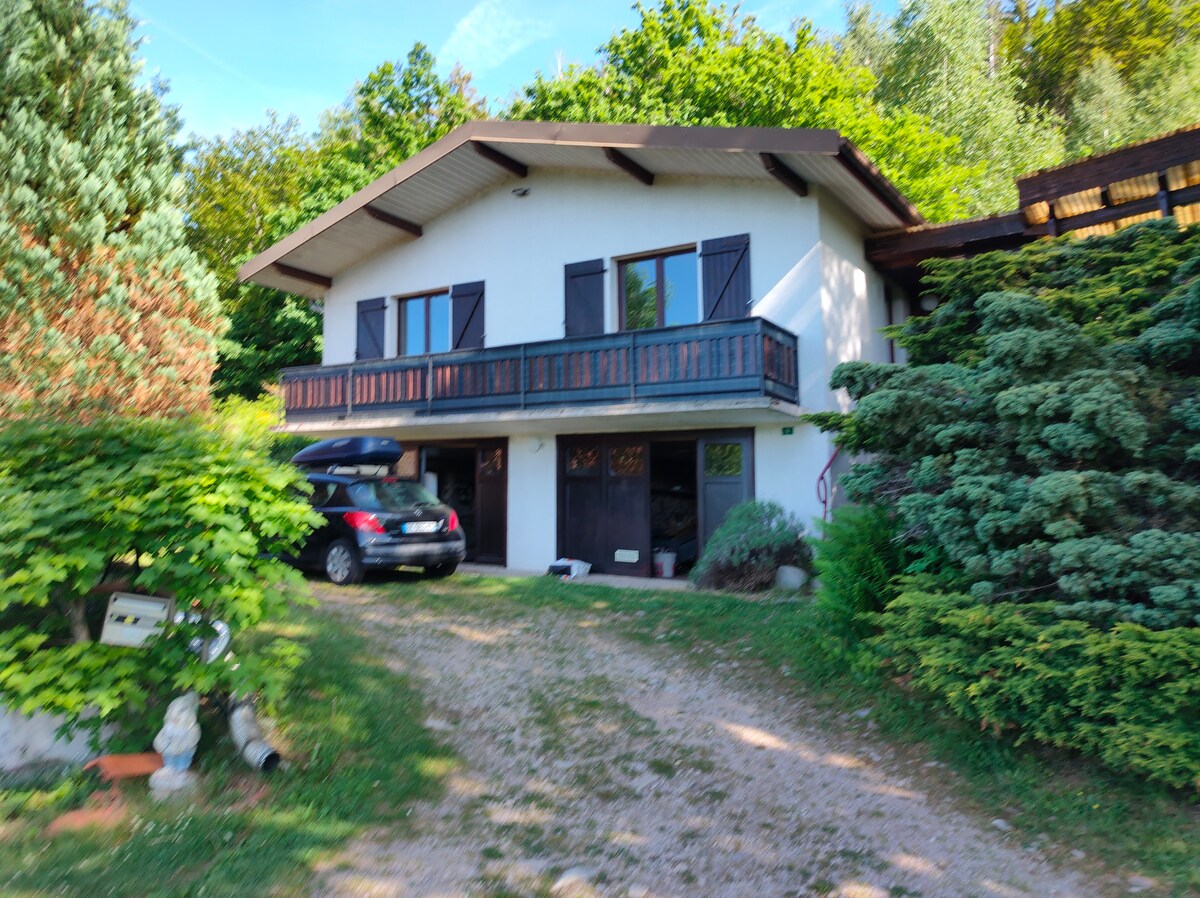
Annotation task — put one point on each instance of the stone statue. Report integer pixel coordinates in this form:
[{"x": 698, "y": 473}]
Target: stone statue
[{"x": 176, "y": 742}]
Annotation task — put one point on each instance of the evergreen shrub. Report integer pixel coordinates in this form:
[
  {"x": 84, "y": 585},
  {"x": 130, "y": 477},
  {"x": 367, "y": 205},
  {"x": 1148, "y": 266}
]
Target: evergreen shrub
[
  {"x": 856, "y": 559},
  {"x": 753, "y": 541},
  {"x": 1127, "y": 695},
  {"x": 1040, "y": 454}
]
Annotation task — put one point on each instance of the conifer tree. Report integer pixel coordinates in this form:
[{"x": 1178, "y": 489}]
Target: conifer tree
[{"x": 103, "y": 308}]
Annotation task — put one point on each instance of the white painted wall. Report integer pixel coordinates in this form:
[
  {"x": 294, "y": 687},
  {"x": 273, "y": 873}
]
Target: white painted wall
[
  {"x": 532, "y": 502},
  {"x": 786, "y": 468},
  {"x": 852, "y": 297},
  {"x": 833, "y": 300},
  {"x": 519, "y": 245}
]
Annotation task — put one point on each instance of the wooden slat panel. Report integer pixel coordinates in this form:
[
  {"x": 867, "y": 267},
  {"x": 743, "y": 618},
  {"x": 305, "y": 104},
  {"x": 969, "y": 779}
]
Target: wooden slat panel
[{"x": 736, "y": 357}]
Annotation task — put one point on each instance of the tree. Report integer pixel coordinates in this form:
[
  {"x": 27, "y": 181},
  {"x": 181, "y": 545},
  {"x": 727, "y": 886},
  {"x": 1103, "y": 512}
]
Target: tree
[
  {"x": 1103, "y": 111},
  {"x": 111, "y": 475},
  {"x": 1167, "y": 90},
  {"x": 258, "y": 185},
  {"x": 238, "y": 190},
  {"x": 944, "y": 64},
  {"x": 691, "y": 63},
  {"x": 398, "y": 110},
  {"x": 103, "y": 308},
  {"x": 1052, "y": 45}
]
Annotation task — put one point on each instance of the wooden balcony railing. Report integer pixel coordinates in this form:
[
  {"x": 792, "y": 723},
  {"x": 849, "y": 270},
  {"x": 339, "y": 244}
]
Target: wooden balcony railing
[{"x": 722, "y": 359}]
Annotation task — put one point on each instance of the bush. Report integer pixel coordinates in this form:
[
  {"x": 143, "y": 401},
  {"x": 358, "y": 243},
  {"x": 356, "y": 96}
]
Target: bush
[
  {"x": 170, "y": 508},
  {"x": 750, "y": 545},
  {"x": 856, "y": 559},
  {"x": 1127, "y": 695}
]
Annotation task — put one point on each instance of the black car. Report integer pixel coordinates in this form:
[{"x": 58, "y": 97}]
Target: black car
[{"x": 374, "y": 521}]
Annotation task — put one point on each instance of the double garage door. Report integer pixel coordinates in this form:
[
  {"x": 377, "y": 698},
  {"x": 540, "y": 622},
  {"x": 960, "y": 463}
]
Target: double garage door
[{"x": 615, "y": 489}]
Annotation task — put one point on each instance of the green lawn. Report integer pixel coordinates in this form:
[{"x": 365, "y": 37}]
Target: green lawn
[
  {"x": 1116, "y": 820},
  {"x": 358, "y": 755}
]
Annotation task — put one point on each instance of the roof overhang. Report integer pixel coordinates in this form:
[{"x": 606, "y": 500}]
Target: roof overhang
[{"x": 481, "y": 155}]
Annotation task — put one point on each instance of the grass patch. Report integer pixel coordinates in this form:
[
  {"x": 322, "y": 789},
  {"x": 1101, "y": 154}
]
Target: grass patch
[
  {"x": 1117, "y": 820},
  {"x": 358, "y": 756}
]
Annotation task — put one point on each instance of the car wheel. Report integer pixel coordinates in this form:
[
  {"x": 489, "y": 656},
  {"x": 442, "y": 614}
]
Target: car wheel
[
  {"x": 341, "y": 563},
  {"x": 441, "y": 570}
]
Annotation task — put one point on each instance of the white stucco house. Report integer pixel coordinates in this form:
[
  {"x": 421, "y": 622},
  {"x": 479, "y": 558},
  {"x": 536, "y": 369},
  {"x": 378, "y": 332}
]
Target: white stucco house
[{"x": 594, "y": 339}]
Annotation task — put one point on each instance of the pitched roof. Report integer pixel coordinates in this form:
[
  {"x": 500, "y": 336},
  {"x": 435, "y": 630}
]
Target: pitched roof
[{"x": 483, "y": 154}]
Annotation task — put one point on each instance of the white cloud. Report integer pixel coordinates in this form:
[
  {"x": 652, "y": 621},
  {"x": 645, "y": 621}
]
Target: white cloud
[{"x": 490, "y": 34}]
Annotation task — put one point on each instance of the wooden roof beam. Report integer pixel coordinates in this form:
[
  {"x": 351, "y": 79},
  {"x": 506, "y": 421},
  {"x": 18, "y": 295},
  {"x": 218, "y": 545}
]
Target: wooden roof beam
[
  {"x": 627, "y": 165},
  {"x": 299, "y": 274},
  {"x": 494, "y": 156},
  {"x": 1119, "y": 165},
  {"x": 402, "y": 224},
  {"x": 784, "y": 175}
]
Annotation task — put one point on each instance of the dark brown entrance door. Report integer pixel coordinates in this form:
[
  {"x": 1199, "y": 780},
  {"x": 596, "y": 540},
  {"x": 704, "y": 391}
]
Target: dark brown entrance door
[
  {"x": 491, "y": 501},
  {"x": 725, "y": 475},
  {"x": 604, "y": 503},
  {"x": 627, "y": 506}
]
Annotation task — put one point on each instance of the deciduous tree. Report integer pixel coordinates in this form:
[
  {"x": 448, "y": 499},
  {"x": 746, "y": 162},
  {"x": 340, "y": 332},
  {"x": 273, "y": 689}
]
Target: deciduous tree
[{"x": 692, "y": 63}]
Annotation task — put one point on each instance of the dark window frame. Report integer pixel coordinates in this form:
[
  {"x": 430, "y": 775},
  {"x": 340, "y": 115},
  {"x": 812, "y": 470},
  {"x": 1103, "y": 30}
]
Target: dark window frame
[
  {"x": 659, "y": 256},
  {"x": 425, "y": 296}
]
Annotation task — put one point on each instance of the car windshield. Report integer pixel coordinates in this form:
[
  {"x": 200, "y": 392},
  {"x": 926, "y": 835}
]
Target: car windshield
[{"x": 389, "y": 495}]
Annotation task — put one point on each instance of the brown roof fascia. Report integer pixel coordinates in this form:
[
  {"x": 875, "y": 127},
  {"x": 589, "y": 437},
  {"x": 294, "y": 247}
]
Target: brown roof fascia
[
  {"x": 1143, "y": 158},
  {"x": 811, "y": 141},
  {"x": 855, "y": 161},
  {"x": 907, "y": 247}
]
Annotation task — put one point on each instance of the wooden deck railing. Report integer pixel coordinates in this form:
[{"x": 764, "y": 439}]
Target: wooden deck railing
[{"x": 723, "y": 359}]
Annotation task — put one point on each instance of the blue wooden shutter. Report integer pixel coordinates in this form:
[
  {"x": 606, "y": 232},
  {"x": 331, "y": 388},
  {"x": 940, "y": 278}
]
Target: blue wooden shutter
[
  {"x": 371, "y": 318},
  {"x": 466, "y": 316},
  {"x": 725, "y": 267},
  {"x": 584, "y": 298}
]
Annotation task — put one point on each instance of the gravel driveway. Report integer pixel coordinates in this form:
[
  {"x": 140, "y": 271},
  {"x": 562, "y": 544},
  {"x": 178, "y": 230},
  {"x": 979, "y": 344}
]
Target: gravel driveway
[{"x": 593, "y": 766}]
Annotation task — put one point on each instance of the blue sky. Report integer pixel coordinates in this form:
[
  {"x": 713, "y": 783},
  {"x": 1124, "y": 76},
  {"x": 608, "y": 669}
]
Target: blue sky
[{"x": 228, "y": 61}]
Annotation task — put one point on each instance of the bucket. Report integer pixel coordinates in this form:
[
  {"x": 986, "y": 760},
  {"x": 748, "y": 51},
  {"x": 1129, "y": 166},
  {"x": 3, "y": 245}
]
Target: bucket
[{"x": 664, "y": 564}]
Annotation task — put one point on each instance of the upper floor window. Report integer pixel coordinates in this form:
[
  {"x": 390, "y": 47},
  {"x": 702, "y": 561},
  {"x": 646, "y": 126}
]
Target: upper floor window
[
  {"x": 659, "y": 290},
  {"x": 425, "y": 324}
]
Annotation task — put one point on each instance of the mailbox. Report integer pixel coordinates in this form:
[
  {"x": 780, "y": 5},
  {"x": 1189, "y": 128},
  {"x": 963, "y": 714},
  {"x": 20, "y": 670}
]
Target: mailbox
[{"x": 132, "y": 619}]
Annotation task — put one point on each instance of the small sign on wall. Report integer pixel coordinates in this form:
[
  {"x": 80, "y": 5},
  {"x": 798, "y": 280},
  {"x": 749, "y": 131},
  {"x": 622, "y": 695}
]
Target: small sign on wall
[
  {"x": 627, "y": 556},
  {"x": 132, "y": 619}
]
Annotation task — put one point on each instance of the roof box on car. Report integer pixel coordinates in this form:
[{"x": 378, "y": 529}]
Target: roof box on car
[{"x": 349, "y": 451}]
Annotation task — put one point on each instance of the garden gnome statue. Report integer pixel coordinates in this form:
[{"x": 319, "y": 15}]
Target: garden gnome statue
[{"x": 176, "y": 742}]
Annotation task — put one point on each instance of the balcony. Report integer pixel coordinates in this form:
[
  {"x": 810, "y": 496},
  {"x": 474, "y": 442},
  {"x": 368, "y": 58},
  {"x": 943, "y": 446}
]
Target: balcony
[{"x": 738, "y": 359}]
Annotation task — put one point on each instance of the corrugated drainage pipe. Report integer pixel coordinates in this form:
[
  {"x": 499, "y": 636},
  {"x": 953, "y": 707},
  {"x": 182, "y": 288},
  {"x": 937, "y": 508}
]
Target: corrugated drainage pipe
[{"x": 248, "y": 737}]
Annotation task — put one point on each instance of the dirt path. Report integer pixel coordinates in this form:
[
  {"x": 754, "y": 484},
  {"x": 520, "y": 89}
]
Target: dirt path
[{"x": 593, "y": 766}]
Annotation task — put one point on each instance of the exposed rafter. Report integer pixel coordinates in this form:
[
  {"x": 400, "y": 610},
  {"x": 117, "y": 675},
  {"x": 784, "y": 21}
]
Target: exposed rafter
[
  {"x": 300, "y": 274},
  {"x": 491, "y": 154},
  {"x": 395, "y": 221},
  {"x": 784, "y": 175},
  {"x": 627, "y": 165}
]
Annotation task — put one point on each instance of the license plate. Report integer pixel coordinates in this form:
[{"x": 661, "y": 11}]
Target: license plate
[{"x": 421, "y": 527}]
